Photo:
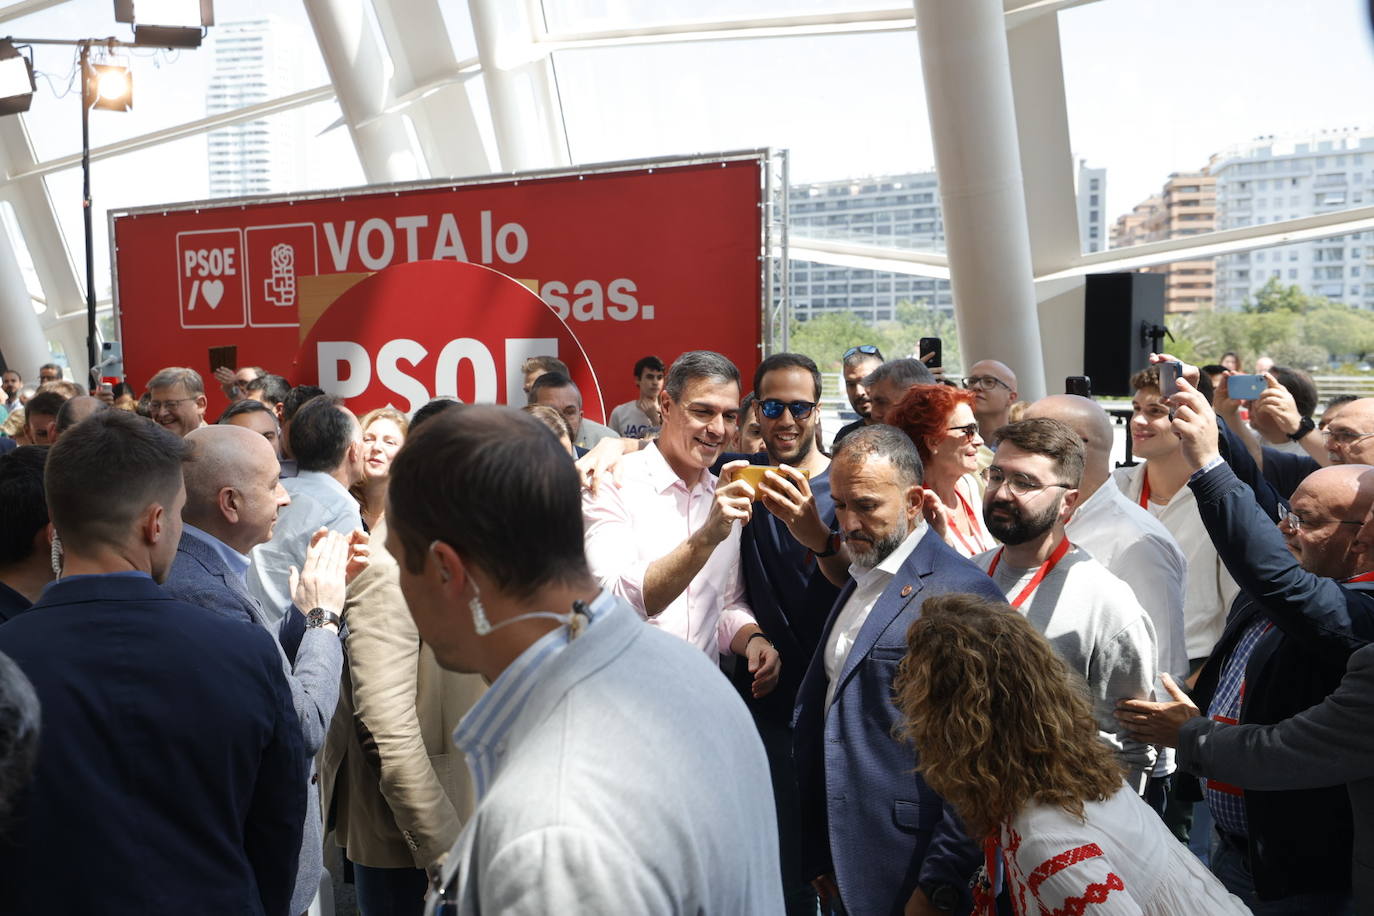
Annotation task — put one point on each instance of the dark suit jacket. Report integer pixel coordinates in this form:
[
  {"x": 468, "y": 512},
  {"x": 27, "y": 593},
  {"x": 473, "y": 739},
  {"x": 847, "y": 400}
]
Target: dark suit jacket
[
  {"x": 199, "y": 576},
  {"x": 1329, "y": 744},
  {"x": 1318, "y": 623},
  {"x": 170, "y": 775},
  {"x": 867, "y": 816}
]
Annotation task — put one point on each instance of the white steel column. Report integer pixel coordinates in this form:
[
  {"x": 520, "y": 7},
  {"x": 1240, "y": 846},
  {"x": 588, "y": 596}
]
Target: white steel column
[
  {"x": 443, "y": 118},
  {"x": 361, "y": 73},
  {"x": 525, "y": 111},
  {"x": 24, "y": 345},
  {"x": 1047, "y": 168},
  {"x": 973, "y": 124}
]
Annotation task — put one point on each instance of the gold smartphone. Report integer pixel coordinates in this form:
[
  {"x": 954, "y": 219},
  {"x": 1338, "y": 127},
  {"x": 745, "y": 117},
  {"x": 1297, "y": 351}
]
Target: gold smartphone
[{"x": 754, "y": 474}]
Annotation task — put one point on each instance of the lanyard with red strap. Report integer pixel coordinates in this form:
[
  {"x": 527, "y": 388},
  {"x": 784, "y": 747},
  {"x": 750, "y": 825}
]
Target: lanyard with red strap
[
  {"x": 1217, "y": 785},
  {"x": 973, "y": 549},
  {"x": 1040, "y": 573},
  {"x": 1362, "y": 577},
  {"x": 1145, "y": 490}
]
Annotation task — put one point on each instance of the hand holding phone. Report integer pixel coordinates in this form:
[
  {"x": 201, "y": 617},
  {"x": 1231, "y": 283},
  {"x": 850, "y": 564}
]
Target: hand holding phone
[
  {"x": 928, "y": 350},
  {"x": 1169, "y": 373},
  {"x": 1245, "y": 387}
]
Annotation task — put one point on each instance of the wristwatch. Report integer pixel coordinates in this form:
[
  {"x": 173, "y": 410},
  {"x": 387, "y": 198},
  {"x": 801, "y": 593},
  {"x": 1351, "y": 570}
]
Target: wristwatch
[
  {"x": 317, "y": 617},
  {"x": 944, "y": 897},
  {"x": 1305, "y": 426},
  {"x": 832, "y": 546}
]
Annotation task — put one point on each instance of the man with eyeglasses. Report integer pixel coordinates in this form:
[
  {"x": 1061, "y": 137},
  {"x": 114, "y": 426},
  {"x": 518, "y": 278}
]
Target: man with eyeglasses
[
  {"x": 857, "y": 363},
  {"x": 177, "y": 399},
  {"x": 994, "y": 390},
  {"x": 1090, "y": 616},
  {"x": 1287, "y": 640}
]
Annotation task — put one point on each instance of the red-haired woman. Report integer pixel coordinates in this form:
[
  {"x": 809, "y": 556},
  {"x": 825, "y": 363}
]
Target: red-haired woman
[{"x": 939, "y": 419}]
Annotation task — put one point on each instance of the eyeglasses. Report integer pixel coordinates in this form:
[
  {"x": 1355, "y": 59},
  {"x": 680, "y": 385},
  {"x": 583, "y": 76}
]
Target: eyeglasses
[
  {"x": 1297, "y": 522},
  {"x": 1344, "y": 436},
  {"x": 866, "y": 349},
  {"x": 985, "y": 382},
  {"x": 155, "y": 406},
  {"x": 773, "y": 408},
  {"x": 966, "y": 432},
  {"x": 1019, "y": 484}
]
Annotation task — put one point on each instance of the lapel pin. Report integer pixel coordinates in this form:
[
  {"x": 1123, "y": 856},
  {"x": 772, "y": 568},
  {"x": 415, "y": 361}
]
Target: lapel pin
[{"x": 906, "y": 590}]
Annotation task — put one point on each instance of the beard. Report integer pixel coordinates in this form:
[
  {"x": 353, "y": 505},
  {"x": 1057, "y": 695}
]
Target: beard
[
  {"x": 805, "y": 443},
  {"x": 1016, "y": 526},
  {"x": 869, "y": 553}
]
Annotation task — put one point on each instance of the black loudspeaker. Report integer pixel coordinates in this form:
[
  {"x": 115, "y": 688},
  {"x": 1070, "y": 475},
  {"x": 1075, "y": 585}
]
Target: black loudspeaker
[{"x": 1123, "y": 323}]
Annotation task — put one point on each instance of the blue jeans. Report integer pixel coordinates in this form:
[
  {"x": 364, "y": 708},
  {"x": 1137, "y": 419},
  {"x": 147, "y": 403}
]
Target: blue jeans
[
  {"x": 1231, "y": 866},
  {"x": 390, "y": 891}
]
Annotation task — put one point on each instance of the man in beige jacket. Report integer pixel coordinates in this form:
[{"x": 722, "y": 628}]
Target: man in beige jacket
[{"x": 396, "y": 793}]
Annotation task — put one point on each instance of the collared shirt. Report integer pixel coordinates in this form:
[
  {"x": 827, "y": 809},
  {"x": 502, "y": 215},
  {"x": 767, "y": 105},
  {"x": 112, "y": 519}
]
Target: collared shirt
[
  {"x": 317, "y": 501},
  {"x": 869, "y": 585},
  {"x": 1210, "y": 589},
  {"x": 1226, "y": 801},
  {"x": 642, "y": 519},
  {"x": 237, "y": 562},
  {"x": 481, "y": 734},
  {"x": 592, "y": 432},
  {"x": 1137, "y": 549}
]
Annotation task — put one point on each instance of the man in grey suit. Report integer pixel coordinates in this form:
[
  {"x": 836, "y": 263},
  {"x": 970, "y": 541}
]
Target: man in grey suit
[
  {"x": 1328, "y": 744},
  {"x": 232, "y": 497}
]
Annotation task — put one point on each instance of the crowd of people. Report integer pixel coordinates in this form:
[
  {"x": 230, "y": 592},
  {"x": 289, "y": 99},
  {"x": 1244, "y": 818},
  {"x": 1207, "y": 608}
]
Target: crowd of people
[{"x": 693, "y": 660}]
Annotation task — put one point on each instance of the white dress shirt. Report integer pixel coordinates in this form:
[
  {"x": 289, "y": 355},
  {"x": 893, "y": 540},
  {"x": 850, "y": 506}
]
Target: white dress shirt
[
  {"x": 1210, "y": 588},
  {"x": 869, "y": 585},
  {"x": 1137, "y": 549},
  {"x": 641, "y": 519}
]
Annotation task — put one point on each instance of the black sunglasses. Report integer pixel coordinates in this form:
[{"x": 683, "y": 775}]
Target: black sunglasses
[
  {"x": 867, "y": 349},
  {"x": 773, "y": 408}
]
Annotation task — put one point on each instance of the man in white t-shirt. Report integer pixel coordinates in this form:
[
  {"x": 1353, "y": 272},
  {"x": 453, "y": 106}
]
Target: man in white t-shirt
[
  {"x": 639, "y": 419},
  {"x": 1090, "y": 616}
]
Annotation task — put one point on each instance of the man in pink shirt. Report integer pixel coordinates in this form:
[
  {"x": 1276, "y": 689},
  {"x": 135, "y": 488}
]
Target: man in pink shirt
[{"x": 664, "y": 536}]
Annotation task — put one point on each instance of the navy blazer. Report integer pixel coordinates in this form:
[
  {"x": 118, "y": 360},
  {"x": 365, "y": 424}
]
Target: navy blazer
[
  {"x": 170, "y": 775},
  {"x": 1317, "y": 624},
  {"x": 200, "y": 576},
  {"x": 867, "y": 816}
]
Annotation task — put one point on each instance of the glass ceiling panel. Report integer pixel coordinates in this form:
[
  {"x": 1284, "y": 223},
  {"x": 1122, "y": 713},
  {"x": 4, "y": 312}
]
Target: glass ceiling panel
[
  {"x": 848, "y": 107},
  {"x": 599, "y": 15}
]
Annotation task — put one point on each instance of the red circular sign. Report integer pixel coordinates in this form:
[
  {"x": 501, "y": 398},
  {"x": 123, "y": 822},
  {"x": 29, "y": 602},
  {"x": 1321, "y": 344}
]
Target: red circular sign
[{"x": 423, "y": 329}]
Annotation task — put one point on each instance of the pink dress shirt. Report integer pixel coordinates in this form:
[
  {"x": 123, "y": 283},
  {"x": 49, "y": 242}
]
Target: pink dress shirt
[{"x": 651, "y": 511}]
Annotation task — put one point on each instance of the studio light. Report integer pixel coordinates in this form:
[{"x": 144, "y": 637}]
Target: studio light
[
  {"x": 16, "y": 80},
  {"x": 112, "y": 87},
  {"x": 166, "y": 23}
]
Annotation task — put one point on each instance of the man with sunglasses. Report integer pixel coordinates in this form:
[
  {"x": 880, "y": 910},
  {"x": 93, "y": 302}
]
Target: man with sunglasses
[
  {"x": 858, "y": 362},
  {"x": 994, "y": 390},
  {"x": 1285, "y": 647},
  {"x": 1090, "y": 616}
]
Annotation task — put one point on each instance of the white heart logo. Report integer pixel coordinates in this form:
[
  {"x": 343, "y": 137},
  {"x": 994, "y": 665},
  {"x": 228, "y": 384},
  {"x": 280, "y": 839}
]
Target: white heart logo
[{"x": 213, "y": 291}]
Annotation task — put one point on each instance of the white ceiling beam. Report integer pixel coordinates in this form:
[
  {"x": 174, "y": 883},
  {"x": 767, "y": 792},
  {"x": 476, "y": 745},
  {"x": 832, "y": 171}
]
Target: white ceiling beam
[
  {"x": 15, "y": 10},
  {"x": 860, "y": 256},
  {"x": 178, "y": 132}
]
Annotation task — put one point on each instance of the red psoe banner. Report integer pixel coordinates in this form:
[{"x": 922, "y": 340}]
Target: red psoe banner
[{"x": 632, "y": 261}]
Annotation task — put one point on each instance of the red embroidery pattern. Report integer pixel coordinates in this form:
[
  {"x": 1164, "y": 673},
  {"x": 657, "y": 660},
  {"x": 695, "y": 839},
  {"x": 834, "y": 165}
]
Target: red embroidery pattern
[
  {"x": 1051, "y": 867},
  {"x": 1094, "y": 893}
]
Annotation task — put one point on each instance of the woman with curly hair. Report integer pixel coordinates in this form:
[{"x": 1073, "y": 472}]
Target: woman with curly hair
[
  {"x": 939, "y": 419},
  {"x": 384, "y": 432},
  {"x": 1007, "y": 736}
]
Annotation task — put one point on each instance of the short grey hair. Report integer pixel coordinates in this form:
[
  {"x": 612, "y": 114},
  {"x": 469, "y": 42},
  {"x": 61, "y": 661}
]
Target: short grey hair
[
  {"x": 178, "y": 375},
  {"x": 698, "y": 364},
  {"x": 904, "y": 373},
  {"x": 883, "y": 441}
]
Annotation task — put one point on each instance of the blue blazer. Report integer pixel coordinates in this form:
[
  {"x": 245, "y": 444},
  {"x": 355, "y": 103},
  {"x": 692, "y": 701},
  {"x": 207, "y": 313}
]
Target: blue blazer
[
  {"x": 200, "y": 576},
  {"x": 170, "y": 775},
  {"x": 867, "y": 816}
]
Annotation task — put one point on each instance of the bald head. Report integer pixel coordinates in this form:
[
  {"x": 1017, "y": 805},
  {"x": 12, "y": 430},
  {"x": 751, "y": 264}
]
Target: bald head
[
  {"x": 75, "y": 410},
  {"x": 1084, "y": 416},
  {"x": 232, "y": 485},
  {"x": 1342, "y": 491},
  {"x": 994, "y": 391},
  {"x": 1332, "y": 536},
  {"x": 1350, "y": 430}
]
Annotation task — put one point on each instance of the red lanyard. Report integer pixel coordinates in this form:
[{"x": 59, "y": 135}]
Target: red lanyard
[
  {"x": 972, "y": 524},
  {"x": 1145, "y": 490},
  {"x": 1040, "y": 573},
  {"x": 1362, "y": 577}
]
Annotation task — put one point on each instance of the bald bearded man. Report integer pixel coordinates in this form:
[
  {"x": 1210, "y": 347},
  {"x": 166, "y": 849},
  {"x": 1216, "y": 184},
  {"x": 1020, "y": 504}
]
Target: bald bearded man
[
  {"x": 994, "y": 390},
  {"x": 233, "y": 492}
]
